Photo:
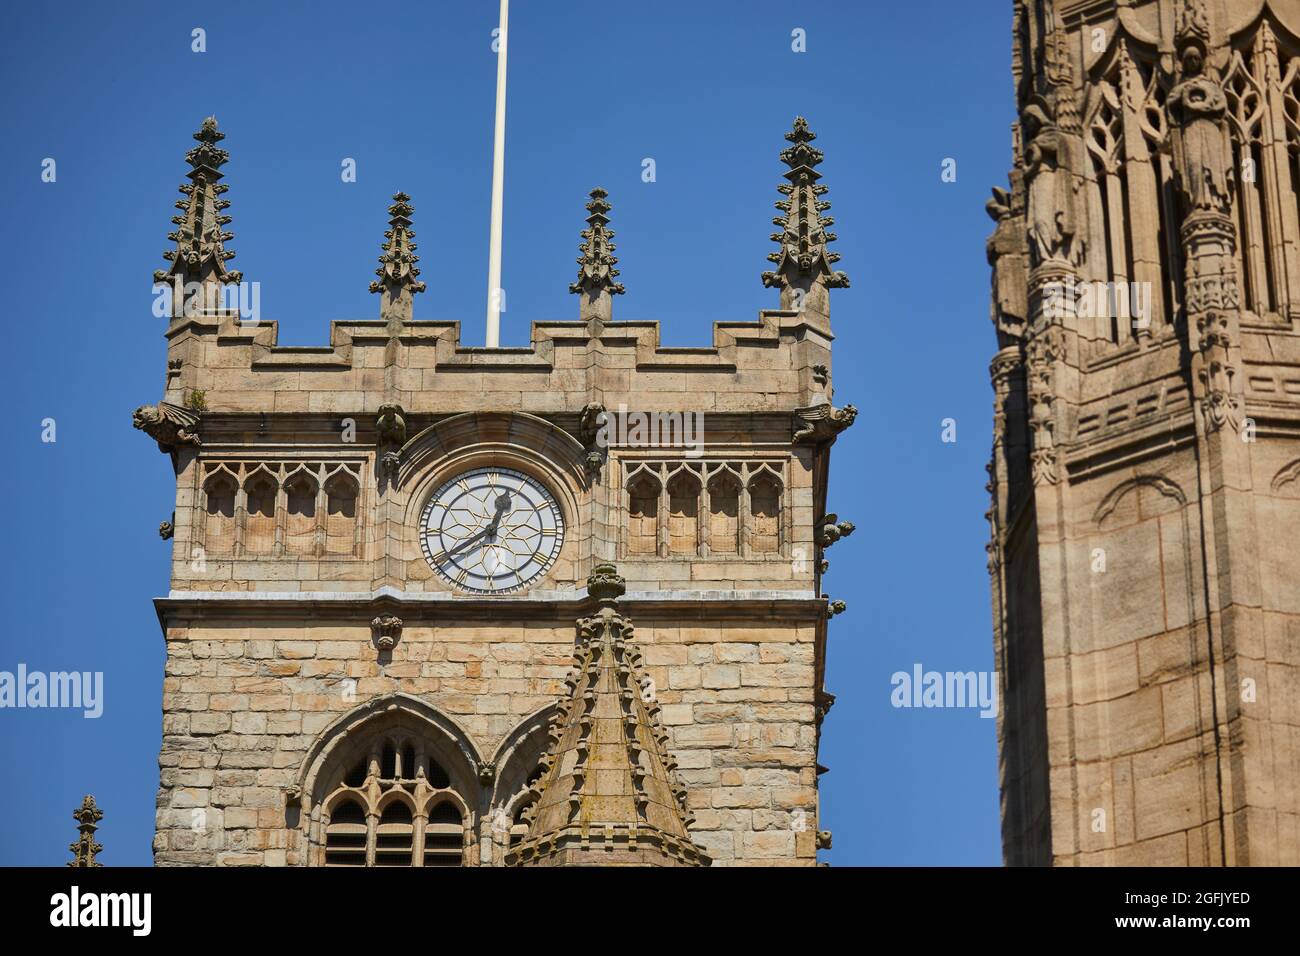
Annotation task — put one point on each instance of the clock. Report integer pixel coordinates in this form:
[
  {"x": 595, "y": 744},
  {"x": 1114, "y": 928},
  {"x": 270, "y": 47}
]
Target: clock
[{"x": 491, "y": 530}]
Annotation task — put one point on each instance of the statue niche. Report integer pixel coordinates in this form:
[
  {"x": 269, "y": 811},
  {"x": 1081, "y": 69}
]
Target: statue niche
[{"x": 1202, "y": 151}]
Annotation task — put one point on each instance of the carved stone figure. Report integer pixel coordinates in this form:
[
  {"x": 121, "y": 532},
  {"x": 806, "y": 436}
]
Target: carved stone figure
[
  {"x": 830, "y": 529},
  {"x": 1202, "y": 150},
  {"x": 822, "y": 422},
  {"x": 1051, "y": 202},
  {"x": 167, "y": 424},
  {"x": 387, "y": 630},
  {"x": 390, "y": 426}
]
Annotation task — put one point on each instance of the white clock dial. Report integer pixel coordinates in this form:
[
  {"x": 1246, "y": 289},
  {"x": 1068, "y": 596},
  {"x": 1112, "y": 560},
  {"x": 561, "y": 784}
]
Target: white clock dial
[{"x": 491, "y": 530}]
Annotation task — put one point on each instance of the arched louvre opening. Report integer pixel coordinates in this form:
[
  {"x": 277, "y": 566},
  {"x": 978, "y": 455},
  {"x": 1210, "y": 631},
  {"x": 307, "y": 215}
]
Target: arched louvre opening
[
  {"x": 346, "y": 835},
  {"x": 444, "y": 836},
  {"x": 394, "y": 804},
  {"x": 395, "y": 835}
]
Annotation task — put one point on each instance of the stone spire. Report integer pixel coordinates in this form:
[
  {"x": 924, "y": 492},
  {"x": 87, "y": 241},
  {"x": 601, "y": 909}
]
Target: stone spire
[
  {"x": 200, "y": 254},
  {"x": 87, "y": 816},
  {"x": 398, "y": 275},
  {"x": 804, "y": 266},
  {"x": 607, "y": 794},
  {"x": 596, "y": 272}
]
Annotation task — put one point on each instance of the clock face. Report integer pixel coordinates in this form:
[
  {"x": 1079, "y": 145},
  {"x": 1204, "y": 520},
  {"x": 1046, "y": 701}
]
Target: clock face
[{"x": 491, "y": 530}]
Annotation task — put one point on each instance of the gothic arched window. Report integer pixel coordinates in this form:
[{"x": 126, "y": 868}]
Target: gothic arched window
[{"x": 393, "y": 804}]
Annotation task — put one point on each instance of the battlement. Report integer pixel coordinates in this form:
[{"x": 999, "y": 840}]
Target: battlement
[
  {"x": 780, "y": 362},
  {"x": 768, "y": 365}
]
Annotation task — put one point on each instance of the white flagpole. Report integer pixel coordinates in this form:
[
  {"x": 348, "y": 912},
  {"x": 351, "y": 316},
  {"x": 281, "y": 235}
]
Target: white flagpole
[{"x": 498, "y": 184}]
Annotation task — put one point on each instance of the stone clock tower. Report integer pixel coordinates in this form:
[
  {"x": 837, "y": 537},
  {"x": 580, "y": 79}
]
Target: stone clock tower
[
  {"x": 434, "y": 605},
  {"x": 1146, "y": 461}
]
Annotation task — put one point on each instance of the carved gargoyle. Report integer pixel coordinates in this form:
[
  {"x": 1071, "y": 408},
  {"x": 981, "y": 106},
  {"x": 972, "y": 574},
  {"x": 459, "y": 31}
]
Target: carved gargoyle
[
  {"x": 167, "y": 424},
  {"x": 487, "y": 773},
  {"x": 590, "y": 423},
  {"x": 830, "y": 529},
  {"x": 835, "y": 607},
  {"x": 166, "y": 530},
  {"x": 390, "y": 426},
  {"x": 819, "y": 423},
  {"x": 823, "y": 839},
  {"x": 387, "y": 631},
  {"x": 825, "y": 700}
]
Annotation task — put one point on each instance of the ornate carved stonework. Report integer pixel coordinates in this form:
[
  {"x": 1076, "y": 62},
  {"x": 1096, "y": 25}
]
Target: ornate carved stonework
[
  {"x": 589, "y": 425},
  {"x": 804, "y": 265},
  {"x": 1198, "y": 109},
  {"x": 200, "y": 254},
  {"x": 830, "y": 529},
  {"x": 596, "y": 272},
  {"x": 390, "y": 425},
  {"x": 386, "y": 630},
  {"x": 608, "y": 791},
  {"x": 1044, "y": 349},
  {"x": 820, "y": 423},
  {"x": 167, "y": 424},
  {"x": 1052, "y": 204},
  {"x": 1002, "y": 370},
  {"x": 84, "y": 850},
  {"x": 1204, "y": 174},
  {"x": 397, "y": 272},
  {"x": 825, "y": 700}
]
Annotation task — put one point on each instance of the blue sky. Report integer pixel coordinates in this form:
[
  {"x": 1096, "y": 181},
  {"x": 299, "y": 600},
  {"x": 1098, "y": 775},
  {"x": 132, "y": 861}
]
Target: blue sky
[{"x": 112, "y": 92}]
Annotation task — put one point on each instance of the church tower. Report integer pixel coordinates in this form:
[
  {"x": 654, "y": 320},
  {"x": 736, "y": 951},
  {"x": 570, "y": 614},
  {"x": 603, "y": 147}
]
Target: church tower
[
  {"x": 406, "y": 572},
  {"x": 1145, "y": 475}
]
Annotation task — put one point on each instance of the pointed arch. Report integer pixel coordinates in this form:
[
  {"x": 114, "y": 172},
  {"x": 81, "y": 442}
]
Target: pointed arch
[
  {"x": 400, "y": 760},
  {"x": 1160, "y": 483},
  {"x": 402, "y": 709}
]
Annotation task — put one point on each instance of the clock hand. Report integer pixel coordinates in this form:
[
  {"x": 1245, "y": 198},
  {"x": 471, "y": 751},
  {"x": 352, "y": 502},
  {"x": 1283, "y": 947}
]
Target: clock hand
[{"x": 502, "y": 504}]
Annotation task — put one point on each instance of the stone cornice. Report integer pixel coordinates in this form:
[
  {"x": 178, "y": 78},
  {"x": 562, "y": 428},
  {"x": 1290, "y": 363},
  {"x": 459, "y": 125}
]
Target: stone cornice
[{"x": 417, "y": 607}]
